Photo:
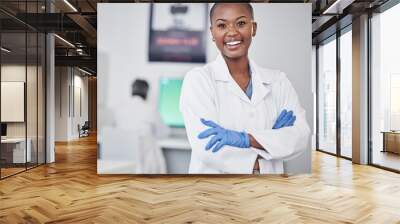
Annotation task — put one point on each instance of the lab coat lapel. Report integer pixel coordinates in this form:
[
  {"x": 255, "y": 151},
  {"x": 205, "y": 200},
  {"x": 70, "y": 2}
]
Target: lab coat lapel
[
  {"x": 222, "y": 74},
  {"x": 236, "y": 90},
  {"x": 261, "y": 84}
]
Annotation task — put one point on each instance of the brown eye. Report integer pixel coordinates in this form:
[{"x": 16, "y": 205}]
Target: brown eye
[
  {"x": 221, "y": 26},
  {"x": 241, "y": 23}
]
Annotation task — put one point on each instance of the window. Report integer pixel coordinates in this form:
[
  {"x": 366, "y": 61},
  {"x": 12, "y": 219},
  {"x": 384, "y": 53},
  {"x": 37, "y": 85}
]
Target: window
[
  {"x": 346, "y": 94},
  {"x": 395, "y": 102},
  {"x": 385, "y": 89},
  {"x": 333, "y": 137},
  {"x": 327, "y": 97}
]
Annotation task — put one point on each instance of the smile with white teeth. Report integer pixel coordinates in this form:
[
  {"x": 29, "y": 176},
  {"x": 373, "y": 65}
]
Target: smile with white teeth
[{"x": 232, "y": 43}]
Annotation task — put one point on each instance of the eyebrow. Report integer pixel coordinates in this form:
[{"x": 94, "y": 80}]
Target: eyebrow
[{"x": 225, "y": 19}]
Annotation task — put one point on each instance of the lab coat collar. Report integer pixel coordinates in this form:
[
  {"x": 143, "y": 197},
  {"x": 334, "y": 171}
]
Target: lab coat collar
[
  {"x": 222, "y": 71},
  {"x": 261, "y": 81}
]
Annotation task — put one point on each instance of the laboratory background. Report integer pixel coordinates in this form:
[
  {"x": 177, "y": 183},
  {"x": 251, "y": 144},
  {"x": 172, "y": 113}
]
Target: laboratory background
[{"x": 124, "y": 147}]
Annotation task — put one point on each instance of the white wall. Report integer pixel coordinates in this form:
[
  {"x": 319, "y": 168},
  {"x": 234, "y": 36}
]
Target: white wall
[
  {"x": 283, "y": 42},
  {"x": 81, "y": 82},
  {"x": 61, "y": 103},
  {"x": 67, "y": 80}
]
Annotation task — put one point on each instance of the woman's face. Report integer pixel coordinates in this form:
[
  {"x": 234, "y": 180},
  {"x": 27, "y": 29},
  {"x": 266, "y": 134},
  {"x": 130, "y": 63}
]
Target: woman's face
[{"x": 232, "y": 29}]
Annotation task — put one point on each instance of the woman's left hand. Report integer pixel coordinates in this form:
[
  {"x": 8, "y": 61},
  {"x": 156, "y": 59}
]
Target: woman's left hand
[
  {"x": 222, "y": 136},
  {"x": 285, "y": 119}
]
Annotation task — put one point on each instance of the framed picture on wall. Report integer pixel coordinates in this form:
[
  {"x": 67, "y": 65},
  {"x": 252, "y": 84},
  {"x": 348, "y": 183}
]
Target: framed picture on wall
[{"x": 178, "y": 32}]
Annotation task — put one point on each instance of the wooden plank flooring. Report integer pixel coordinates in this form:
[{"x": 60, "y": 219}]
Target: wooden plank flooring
[
  {"x": 70, "y": 191},
  {"x": 10, "y": 171}
]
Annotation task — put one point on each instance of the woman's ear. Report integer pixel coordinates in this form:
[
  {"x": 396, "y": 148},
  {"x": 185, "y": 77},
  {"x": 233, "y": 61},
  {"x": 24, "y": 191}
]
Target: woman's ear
[{"x": 254, "y": 29}]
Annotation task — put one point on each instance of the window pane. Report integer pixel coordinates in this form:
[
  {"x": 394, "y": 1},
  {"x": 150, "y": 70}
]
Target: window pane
[
  {"x": 327, "y": 97},
  {"x": 385, "y": 85},
  {"x": 346, "y": 94}
]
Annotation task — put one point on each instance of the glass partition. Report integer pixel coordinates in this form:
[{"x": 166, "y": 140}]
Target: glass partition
[
  {"x": 327, "y": 96},
  {"x": 22, "y": 88},
  {"x": 13, "y": 111}
]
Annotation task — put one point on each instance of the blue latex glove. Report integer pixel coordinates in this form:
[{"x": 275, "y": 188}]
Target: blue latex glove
[
  {"x": 222, "y": 136},
  {"x": 285, "y": 119}
]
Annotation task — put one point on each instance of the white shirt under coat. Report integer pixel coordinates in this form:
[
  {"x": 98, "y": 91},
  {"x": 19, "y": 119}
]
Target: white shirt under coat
[{"x": 211, "y": 93}]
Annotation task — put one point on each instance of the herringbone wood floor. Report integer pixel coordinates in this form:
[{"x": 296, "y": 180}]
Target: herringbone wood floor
[{"x": 70, "y": 191}]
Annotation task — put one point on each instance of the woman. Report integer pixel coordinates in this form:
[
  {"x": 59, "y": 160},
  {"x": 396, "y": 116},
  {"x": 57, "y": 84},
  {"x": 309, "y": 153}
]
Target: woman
[{"x": 239, "y": 117}]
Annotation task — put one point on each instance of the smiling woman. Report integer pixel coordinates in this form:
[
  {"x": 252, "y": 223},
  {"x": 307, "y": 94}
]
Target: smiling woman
[
  {"x": 234, "y": 115},
  {"x": 239, "y": 117}
]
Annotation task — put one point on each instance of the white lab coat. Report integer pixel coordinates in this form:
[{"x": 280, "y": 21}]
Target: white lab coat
[
  {"x": 145, "y": 126},
  {"x": 211, "y": 93}
]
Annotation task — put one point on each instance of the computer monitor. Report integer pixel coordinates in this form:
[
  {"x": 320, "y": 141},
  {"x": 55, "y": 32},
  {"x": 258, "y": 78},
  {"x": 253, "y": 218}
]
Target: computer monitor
[
  {"x": 168, "y": 102},
  {"x": 3, "y": 129}
]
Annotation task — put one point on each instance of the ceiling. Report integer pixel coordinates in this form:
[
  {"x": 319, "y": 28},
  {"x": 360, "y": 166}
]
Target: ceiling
[{"x": 76, "y": 22}]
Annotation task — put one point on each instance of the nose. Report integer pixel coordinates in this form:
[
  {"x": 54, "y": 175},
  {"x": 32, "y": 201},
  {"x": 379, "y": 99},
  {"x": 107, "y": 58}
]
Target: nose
[{"x": 231, "y": 30}]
